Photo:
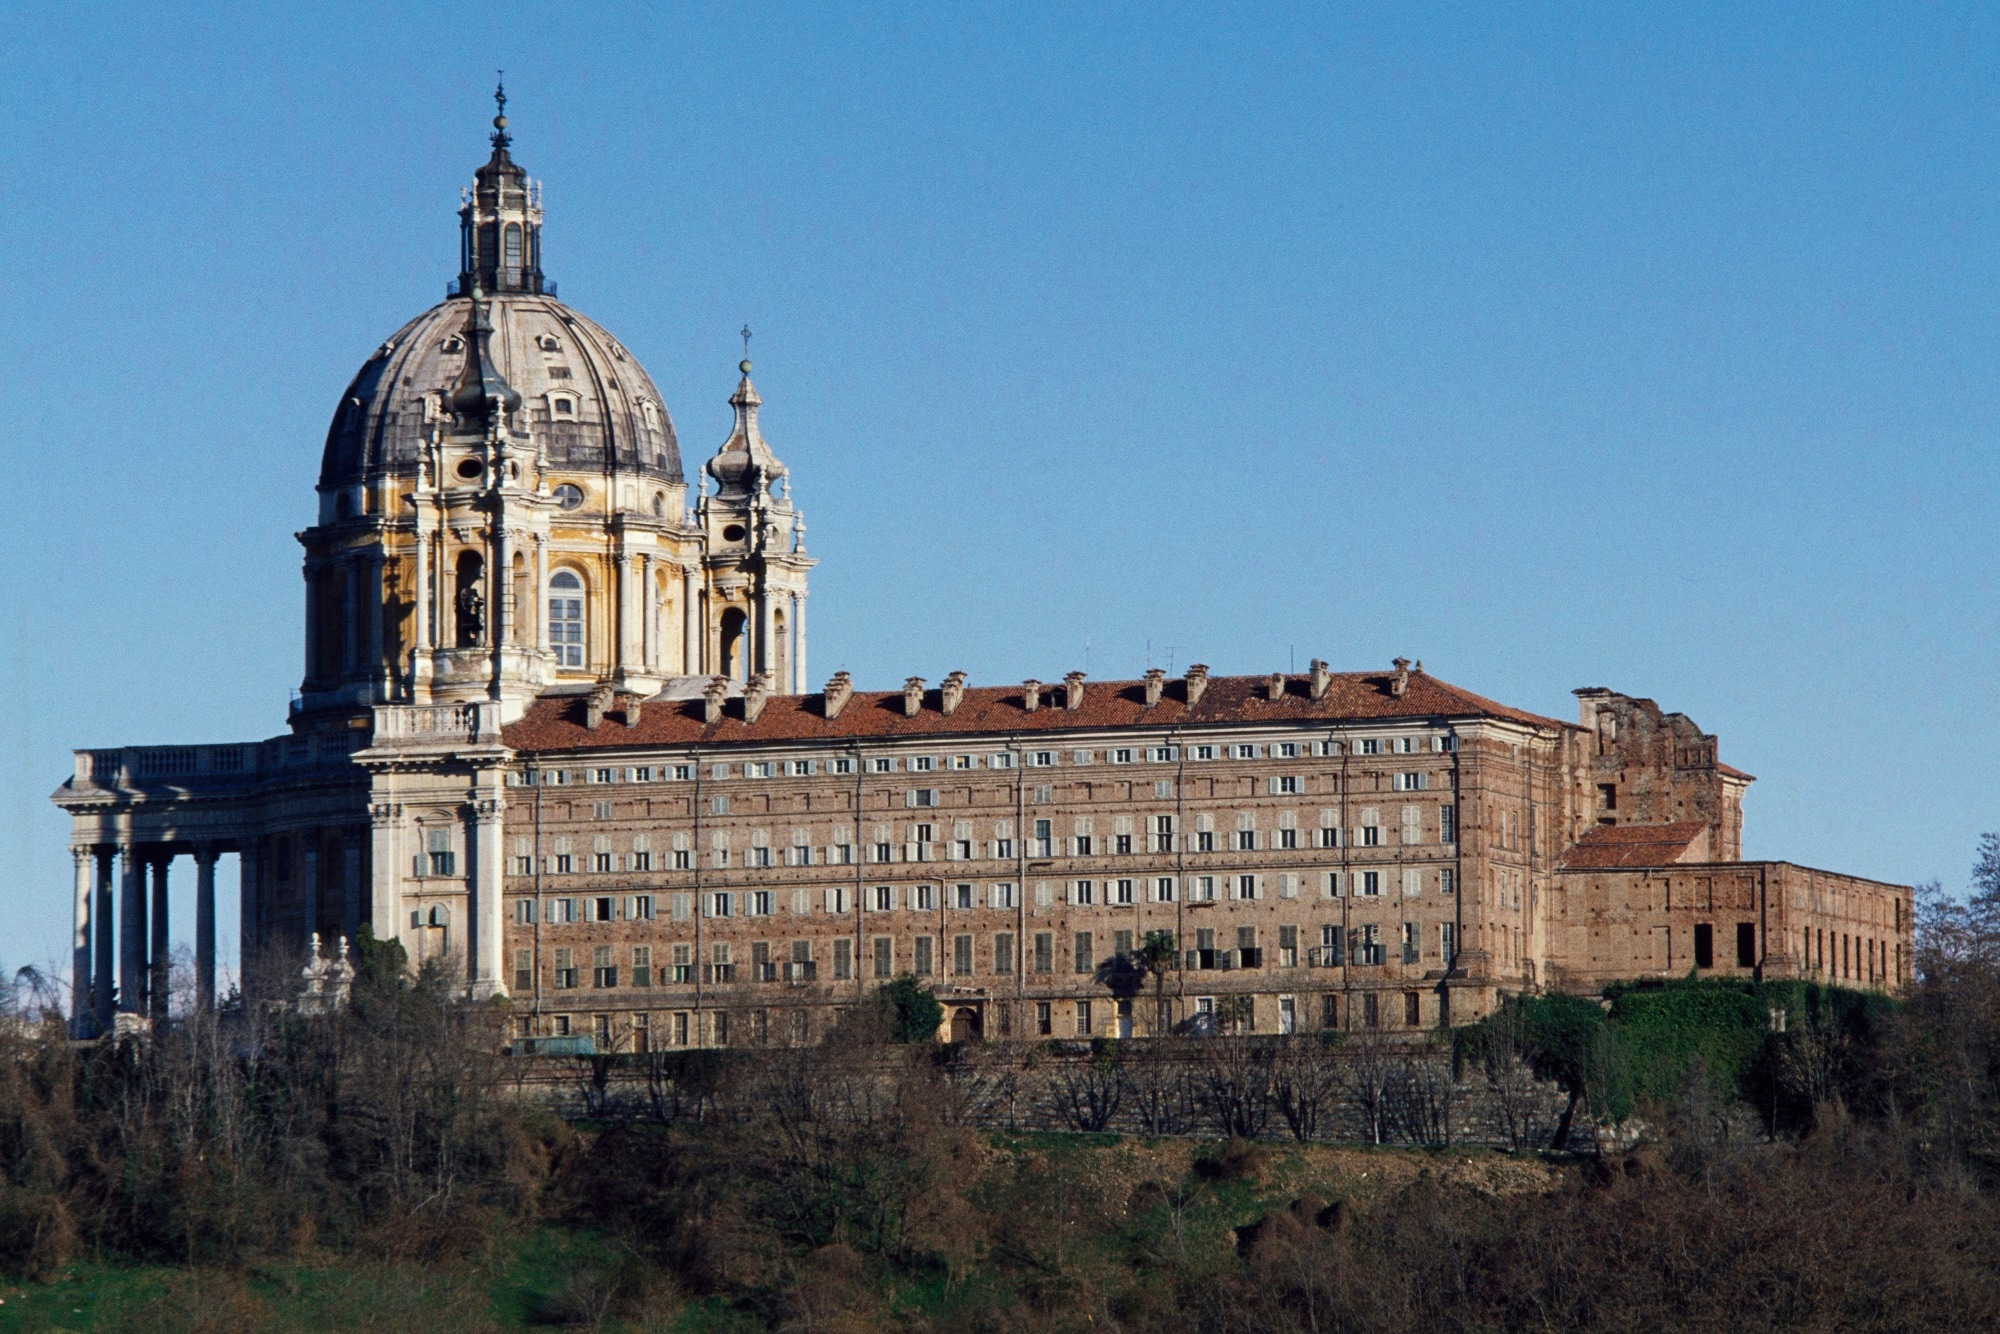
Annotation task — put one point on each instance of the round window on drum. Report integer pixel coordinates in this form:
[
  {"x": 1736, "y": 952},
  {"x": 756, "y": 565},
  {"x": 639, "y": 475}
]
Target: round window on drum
[{"x": 566, "y": 618}]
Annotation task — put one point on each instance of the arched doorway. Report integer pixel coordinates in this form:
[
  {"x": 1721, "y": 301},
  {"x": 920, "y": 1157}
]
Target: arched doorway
[{"x": 965, "y": 1024}]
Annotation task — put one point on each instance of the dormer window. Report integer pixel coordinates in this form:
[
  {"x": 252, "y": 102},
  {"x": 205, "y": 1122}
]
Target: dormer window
[
  {"x": 548, "y": 343},
  {"x": 562, "y": 407},
  {"x": 453, "y": 346}
]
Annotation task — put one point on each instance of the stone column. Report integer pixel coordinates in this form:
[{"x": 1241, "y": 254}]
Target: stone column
[
  {"x": 691, "y": 635},
  {"x": 249, "y": 874},
  {"x": 80, "y": 1025},
  {"x": 309, "y": 873},
  {"x": 311, "y": 676},
  {"x": 374, "y": 594},
  {"x": 386, "y": 864},
  {"x": 799, "y": 644},
  {"x": 350, "y": 645},
  {"x": 628, "y": 615},
  {"x": 131, "y": 931},
  {"x": 420, "y": 596},
  {"x": 106, "y": 972},
  {"x": 649, "y": 603},
  {"x": 204, "y": 928},
  {"x": 540, "y": 594},
  {"x": 157, "y": 961},
  {"x": 350, "y": 887},
  {"x": 482, "y": 948},
  {"x": 499, "y": 588},
  {"x": 763, "y": 659}
]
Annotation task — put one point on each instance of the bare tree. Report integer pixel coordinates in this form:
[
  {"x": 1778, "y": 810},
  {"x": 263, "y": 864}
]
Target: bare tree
[{"x": 1306, "y": 1081}]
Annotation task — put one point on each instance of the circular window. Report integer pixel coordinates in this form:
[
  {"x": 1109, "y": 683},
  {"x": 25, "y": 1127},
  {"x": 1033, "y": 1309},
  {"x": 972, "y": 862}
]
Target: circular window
[
  {"x": 568, "y": 496},
  {"x": 733, "y": 533},
  {"x": 470, "y": 469}
]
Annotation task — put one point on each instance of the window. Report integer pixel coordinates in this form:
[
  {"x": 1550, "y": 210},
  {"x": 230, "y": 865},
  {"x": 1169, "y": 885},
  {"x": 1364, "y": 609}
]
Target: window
[
  {"x": 642, "y": 965},
  {"x": 565, "y": 968},
  {"x": 1448, "y": 942},
  {"x": 524, "y": 866},
  {"x": 1163, "y": 833},
  {"x": 1204, "y": 890},
  {"x": 759, "y": 769},
  {"x": 1163, "y": 754},
  {"x": 881, "y": 765},
  {"x": 1246, "y": 886},
  {"x": 1204, "y": 841},
  {"x": 1163, "y": 889},
  {"x": 923, "y": 796},
  {"x": 570, "y": 497},
  {"x": 524, "y": 912},
  {"x": 1447, "y": 824},
  {"x": 1084, "y": 892},
  {"x": 1369, "y": 746},
  {"x": 1285, "y": 785},
  {"x": 1746, "y": 945},
  {"x": 1288, "y": 947},
  {"x": 1122, "y": 844},
  {"x": 1371, "y": 836},
  {"x": 603, "y": 973},
  {"x": 963, "y": 897},
  {"x": 1288, "y": 838},
  {"x": 1003, "y": 896},
  {"x": 1041, "y": 759},
  {"x": 683, "y": 859},
  {"x": 1409, "y": 942},
  {"x": 1243, "y": 752},
  {"x": 925, "y": 898},
  {"x": 1003, "y": 953},
  {"x": 642, "y": 860},
  {"x": 1413, "y": 1009},
  {"x": 1328, "y": 837},
  {"x": 758, "y": 904},
  {"x": 524, "y": 970},
  {"x": 843, "y": 959},
  {"x": 920, "y": 957},
  {"x": 843, "y": 766},
  {"x": 1042, "y": 1022},
  {"x": 961, "y": 761},
  {"x": 1285, "y": 750},
  {"x": 1330, "y": 939},
  {"x": 1704, "y": 946},
  {"x": 562, "y": 911},
  {"x": 718, "y": 904},
  {"x": 884, "y": 898},
  {"x": 1045, "y": 951},
  {"x": 1044, "y": 839},
  {"x": 1083, "y": 1018},
  {"x": 1122, "y": 755},
  {"x": 437, "y": 848},
  {"x": 1004, "y": 760},
  {"x": 566, "y": 606},
  {"x": 1079, "y": 757},
  {"x": 1085, "y": 959},
  {"x": 1410, "y": 782},
  {"x": 1246, "y": 840},
  {"x": 1368, "y": 950},
  {"x": 923, "y": 764},
  {"x": 1447, "y": 881},
  {"x": 961, "y": 956},
  {"x": 1371, "y": 884},
  {"x": 600, "y": 862},
  {"x": 1042, "y": 794},
  {"x": 1121, "y": 893},
  {"x": 760, "y": 857},
  {"x": 884, "y": 956}
]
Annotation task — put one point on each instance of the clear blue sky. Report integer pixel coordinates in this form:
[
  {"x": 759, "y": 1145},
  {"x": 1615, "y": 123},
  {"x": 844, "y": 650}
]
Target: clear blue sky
[{"x": 1643, "y": 346}]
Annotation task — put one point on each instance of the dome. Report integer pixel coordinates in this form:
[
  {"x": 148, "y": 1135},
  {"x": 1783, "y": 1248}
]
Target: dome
[{"x": 585, "y": 401}]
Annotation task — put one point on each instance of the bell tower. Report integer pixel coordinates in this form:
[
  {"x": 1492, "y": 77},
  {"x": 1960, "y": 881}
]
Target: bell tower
[{"x": 755, "y": 564}]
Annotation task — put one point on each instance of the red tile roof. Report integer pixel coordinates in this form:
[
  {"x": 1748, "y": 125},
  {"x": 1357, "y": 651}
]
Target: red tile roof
[
  {"x": 556, "y": 723},
  {"x": 1613, "y": 847}
]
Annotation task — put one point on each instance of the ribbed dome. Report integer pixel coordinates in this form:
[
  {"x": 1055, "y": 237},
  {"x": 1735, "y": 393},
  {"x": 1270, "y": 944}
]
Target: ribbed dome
[{"x": 554, "y": 357}]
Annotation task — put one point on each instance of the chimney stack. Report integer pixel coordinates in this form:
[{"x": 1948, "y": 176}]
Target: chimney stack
[
  {"x": 1073, "y": 691},
  {"x": 951, "y": 691},
  {"x": 1031, "y": 695},
  {"x": 596, "y": 704},
  {"x": 913, "y": 696},
  {"x": 1274, "y": 689},
  {"x": 1401, "y": 682},
  {"x": 755, "y": 693},
  {"x": 1197, "y": 682},
  {"x": 1156, "y": 682},
  {"x": 634, "y": 708},
  {"x": 1320, "y": 679},
  {"x": 838, "y": 691},
  {"x": 712, "y": 696}
]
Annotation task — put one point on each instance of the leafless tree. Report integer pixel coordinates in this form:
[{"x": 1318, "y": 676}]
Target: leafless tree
[{"x": 1306, "y": 1081}]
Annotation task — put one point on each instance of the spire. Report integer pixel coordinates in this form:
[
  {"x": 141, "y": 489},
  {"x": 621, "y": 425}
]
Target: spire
[
  {"x": 744, "y": 465},
  {"x": 480, "y": 385},
  {"x": 500, "y": 222}
]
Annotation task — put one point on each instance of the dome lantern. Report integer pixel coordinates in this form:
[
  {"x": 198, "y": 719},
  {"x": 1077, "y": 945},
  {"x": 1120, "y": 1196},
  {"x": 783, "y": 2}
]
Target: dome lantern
[{"x": 500, "y": 223}]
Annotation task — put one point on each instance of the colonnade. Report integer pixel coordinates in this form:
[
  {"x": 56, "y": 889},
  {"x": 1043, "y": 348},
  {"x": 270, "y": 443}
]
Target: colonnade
[{"x": 119, "y": 946}]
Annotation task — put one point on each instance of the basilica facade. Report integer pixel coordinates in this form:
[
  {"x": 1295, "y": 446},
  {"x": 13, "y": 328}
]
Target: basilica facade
[{"x": 555, "y": 730}]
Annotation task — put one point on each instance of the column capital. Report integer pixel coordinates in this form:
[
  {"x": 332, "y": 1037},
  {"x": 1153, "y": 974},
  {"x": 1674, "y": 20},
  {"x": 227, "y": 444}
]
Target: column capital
[
  {"x": 383, "y": 814},
  {"x": 487, "y": 810},
  {"x": 205, "y": 854},
  {"x": 81, "y": 852}
]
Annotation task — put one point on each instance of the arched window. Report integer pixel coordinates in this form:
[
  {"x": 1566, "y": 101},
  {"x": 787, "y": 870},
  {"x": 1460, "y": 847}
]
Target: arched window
[
  {"x": 513, "y": 244},
  {"x": 734, "y": 625},
  {"x": 566, "y": 618}
]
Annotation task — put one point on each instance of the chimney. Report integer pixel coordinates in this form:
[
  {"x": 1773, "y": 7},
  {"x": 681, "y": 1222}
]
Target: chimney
[
  {"x": 755, "y": 693},
  {"x": 1072, "y": 691},
  {"x": 913, "y": 696},
  {"x": 1197, "y": 682},
  {"x": 712, "y": 696},
  {"x": 1274, "y": 689},
  {"x": 634, "y": 708},
  {"x": 951, "y": 691},
  {"x": 1320, "y": 679},
  {"x": 1402, "y": 679},
  {"x": 1031, "y": 695},
  {"x": 1156, "y": 682},
  {"x": 838, "y": 691},
  {"x": 596, "y": 704}
]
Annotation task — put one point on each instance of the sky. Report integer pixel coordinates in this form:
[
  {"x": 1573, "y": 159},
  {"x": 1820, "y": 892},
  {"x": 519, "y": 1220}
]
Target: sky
[{"x": 1650, "y": 347}]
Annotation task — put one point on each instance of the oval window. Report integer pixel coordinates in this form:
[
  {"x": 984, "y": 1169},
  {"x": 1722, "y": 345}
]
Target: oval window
[
  {"x": 568, "y": 496},
  {"x": 733, "y": 533},
  {"x": 470, "y": 469}
]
